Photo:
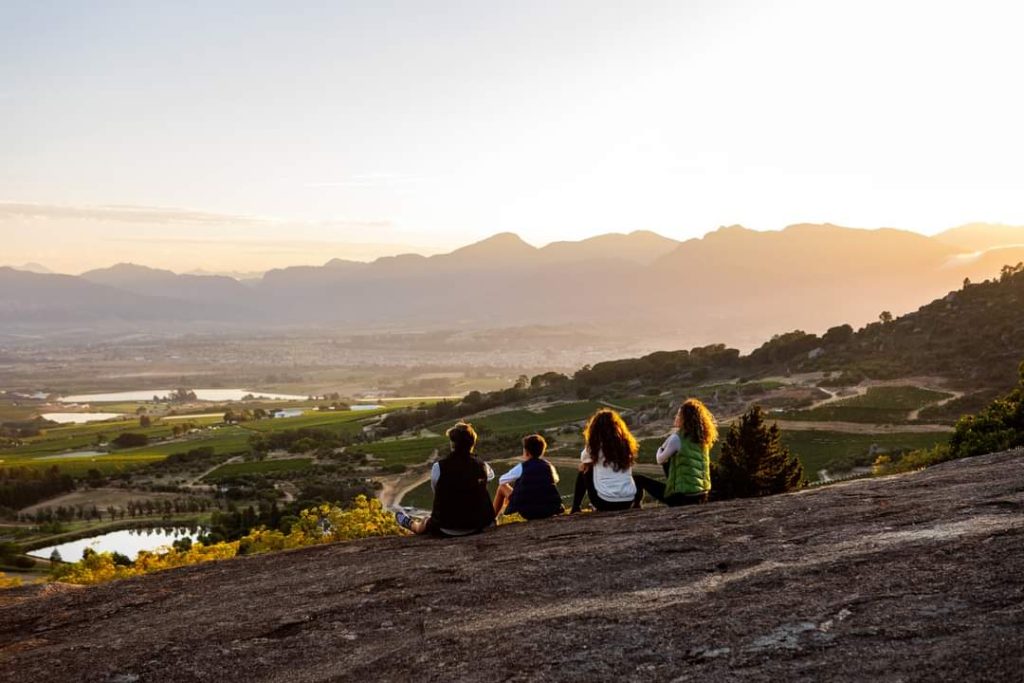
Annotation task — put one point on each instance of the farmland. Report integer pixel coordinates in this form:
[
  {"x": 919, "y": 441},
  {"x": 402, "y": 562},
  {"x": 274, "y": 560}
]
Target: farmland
[
  {"x": 285, "y": 466},
  {"x": 878, "y": 405}
]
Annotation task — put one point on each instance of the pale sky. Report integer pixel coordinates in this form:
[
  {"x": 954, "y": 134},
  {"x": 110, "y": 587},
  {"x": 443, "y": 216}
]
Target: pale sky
[{"x": 245, "y": 135}]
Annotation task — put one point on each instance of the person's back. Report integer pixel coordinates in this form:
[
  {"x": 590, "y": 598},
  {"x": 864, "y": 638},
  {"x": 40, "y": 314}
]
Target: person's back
[
  {"x": 530, "y": 488},
  {"x": 461, "y": 500},
  {"x": 462, "y": 504},
  {"x": 536, "y": 495},
  {"x": 685, "y": 455},
  {"x": 689, "y": 471}
]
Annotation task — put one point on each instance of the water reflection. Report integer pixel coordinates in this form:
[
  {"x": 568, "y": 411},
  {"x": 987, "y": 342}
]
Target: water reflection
[{"x": 129, "y": 542}]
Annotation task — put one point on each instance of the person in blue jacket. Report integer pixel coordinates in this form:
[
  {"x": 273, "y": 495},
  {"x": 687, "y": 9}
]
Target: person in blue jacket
[{"x": 530, "y": 488}]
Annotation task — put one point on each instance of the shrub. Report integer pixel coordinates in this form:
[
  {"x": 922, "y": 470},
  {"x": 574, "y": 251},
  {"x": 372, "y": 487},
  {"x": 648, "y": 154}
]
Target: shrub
[
  {"x": 996, "y": 428},
  {"x": 754, "y": 462}
]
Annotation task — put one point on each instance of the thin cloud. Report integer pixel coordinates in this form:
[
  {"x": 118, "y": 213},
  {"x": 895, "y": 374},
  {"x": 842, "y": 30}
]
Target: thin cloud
[{"x": 125, "y": 214}]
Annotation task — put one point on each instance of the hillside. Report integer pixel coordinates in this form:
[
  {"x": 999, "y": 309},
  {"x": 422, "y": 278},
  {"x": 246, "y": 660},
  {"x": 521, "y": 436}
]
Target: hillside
[{"x": 912, "y": 577}]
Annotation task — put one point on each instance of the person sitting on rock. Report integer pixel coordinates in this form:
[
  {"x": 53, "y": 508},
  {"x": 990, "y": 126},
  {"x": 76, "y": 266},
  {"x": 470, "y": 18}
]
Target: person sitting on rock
[
  {"x": 606, "y": 465},
  {"x": 529, "y": 488},
  {"x": 462, "y": 505},
  {"x": 685, "y": 457}
]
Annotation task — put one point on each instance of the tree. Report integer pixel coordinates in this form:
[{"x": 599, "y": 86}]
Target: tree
[
  {"x": 754, "y": 462},
  {"x": 885, "y": 317},
  {"x": 145, "y": 421},
  {"x": 998, "y": 427},
  {"x": 130, "y": 440}
]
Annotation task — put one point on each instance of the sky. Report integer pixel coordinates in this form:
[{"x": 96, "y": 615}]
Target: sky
[{"x": 238, "y": 136}]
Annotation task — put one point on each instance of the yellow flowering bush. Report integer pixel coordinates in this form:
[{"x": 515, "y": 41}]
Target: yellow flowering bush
[
  {"x": 9, "y": 581},
  {"x": 318, "y": 525}
]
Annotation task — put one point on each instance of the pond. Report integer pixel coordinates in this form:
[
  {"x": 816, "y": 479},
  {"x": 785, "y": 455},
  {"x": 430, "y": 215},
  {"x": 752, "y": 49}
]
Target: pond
[
  {"x": 366, "y": 406},
  {"x": 79, "y": 418},
  {"x": 201, "y": 394},
  {"x": 127, "y": 542}
]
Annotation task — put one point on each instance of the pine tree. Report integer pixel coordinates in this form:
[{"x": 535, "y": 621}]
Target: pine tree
[{"x": 754, "y": 462}]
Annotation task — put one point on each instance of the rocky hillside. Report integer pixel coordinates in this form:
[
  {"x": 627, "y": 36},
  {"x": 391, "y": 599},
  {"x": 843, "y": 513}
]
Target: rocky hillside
[{"x": 913, "y": 577}]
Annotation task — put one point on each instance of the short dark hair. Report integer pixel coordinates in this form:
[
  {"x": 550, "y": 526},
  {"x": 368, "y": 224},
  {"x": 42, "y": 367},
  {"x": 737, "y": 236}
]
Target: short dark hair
[
  {"x": 535, "y": 445},
  {"x": 463, "y": 437}
]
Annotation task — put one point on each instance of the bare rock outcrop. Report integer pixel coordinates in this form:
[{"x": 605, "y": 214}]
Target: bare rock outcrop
[{"x": 911, "y": 577}]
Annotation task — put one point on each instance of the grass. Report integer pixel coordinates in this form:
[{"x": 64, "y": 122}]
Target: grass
[
  {"x": 342, "y": 422},
  {"x": 80, "y": 466},
  {"x": 238, "y": 469},
  {"x": 842, "y": 451},
  {"x": 526, "y": 421},
  {"x": 879, "y": 405},
  {"x": 404, "y": 451},
  {"x": 228, "y": 440}
]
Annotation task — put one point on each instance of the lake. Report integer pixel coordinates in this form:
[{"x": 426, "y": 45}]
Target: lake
[
  {"x": 79, "y": 418},
  {"x": 127, "y": 542},
  {"x": 201, "y": 394},
  {"x": 366, "y": 407}
]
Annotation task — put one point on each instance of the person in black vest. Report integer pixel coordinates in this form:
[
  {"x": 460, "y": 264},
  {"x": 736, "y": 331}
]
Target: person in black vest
[
  {"x": 462, "y": 505},
  {"x": 529, "y": 488}
]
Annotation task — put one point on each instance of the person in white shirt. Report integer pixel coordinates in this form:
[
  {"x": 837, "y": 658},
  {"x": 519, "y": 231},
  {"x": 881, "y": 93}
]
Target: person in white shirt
[
  {"x": 530, "y": 489},
  {"x": 606, "y": 465}
]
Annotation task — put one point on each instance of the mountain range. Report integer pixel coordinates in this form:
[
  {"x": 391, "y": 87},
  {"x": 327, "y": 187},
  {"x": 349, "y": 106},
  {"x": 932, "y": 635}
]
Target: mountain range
[{"x": 733, "y": 285}]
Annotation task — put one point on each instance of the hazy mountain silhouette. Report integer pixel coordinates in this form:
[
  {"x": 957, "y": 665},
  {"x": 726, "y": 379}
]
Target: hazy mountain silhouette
[
  {"x": 734, "y": 285},
  {"x": 641, "y": 247},
  {"x": 164, "y": 283},
  {"x": 54, "y": 300}
]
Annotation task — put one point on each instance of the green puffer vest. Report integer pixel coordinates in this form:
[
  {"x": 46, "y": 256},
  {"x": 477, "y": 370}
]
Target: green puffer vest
[{"x": 689, "y": 470}]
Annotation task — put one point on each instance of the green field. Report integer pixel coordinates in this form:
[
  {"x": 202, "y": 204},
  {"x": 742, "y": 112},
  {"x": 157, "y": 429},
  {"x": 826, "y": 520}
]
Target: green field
[
  {"x": 228, "y": 440},
  {"x": 880, "y": 405},
  {"x": 840, "y": 451},
  {"x": 525, "y": 421},
  {"x": 404, "y": 451},
  {"x": 342, "y": 422},
  {"x": 79, "y": 466},
  {"x": 237, "y": 469}
]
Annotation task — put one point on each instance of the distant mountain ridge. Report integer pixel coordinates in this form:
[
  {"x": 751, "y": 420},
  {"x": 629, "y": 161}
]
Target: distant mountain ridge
[{"x": 734, "y": 285}]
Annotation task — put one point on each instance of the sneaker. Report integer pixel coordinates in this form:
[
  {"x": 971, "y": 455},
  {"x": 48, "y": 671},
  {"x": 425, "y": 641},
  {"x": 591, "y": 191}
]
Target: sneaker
[{"x": 404, "y": 520}]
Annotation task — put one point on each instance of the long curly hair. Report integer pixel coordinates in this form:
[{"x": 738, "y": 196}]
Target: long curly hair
[
  {"x": 698, "y": 423},
  {"x": 607, "y": 436}
]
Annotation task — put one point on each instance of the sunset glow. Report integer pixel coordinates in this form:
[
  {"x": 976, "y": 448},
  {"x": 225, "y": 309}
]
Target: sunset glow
[{"x": 269, "y": 136}]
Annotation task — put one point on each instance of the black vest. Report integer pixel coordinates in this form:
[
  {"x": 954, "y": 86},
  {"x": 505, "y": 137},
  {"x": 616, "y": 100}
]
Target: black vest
[
  {"x": 461, "y": 500},
  {"x": 535, "y": 495}
]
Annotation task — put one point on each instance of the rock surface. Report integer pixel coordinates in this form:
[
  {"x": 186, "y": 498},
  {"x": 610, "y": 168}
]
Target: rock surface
[{"x": 912, "y": 577}]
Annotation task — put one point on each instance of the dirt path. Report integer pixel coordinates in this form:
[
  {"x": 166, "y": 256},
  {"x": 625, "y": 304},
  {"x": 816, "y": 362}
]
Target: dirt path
[
  {"x": 395, "y": 488},
  {"x": 196, "y": 480},
  {"x": 916, "y": 414}
]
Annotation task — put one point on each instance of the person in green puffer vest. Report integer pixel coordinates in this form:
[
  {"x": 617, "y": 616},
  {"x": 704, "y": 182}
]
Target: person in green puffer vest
[{"x": 686, "y": 458}]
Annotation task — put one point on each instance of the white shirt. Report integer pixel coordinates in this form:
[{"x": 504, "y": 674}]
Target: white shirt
[
  {"x": 669, "y": 448},
  {"x": 513, "y": 475},
  {"x": 612, "y": 486}
]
